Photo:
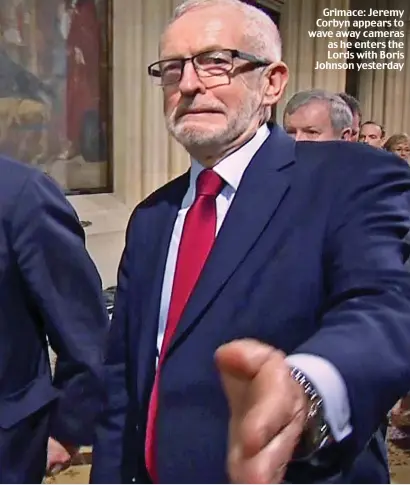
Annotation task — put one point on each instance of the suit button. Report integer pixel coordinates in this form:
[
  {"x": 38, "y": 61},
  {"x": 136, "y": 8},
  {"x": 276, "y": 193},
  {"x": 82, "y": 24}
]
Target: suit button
[
  {"x": 133, "y": 480},
  {"x": 137, "y": 428}
]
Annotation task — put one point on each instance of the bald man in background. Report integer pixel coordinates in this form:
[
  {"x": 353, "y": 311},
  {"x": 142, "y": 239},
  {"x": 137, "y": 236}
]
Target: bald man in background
[{"x": 372, "y": 133}]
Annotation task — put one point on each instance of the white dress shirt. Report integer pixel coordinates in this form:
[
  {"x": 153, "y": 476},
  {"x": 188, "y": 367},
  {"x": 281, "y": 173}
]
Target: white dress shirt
[{"x": 323, "y": 375}]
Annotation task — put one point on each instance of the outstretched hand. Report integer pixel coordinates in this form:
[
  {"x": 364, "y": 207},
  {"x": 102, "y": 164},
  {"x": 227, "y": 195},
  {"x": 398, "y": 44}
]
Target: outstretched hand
[{"x": 268, "y": 411}]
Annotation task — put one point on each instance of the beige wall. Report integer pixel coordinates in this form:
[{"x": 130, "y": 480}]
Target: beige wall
[
  {"x": 300, "y": 52},
  {"x": 385, "y": 95}
]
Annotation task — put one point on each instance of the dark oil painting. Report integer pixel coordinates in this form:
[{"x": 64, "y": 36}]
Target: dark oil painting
[{"x": 55, "y": 89}]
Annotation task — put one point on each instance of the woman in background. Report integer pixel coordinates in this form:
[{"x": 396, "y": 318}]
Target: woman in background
[{"x": 400, "y": 145}]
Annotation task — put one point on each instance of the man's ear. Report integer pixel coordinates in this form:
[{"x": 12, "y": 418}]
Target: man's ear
[
  {"x": 346, "y": 134},
  {"x": 276, "y": 77}
]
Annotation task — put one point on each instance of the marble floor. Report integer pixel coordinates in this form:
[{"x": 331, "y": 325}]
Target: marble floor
[
  {"x": 399, "y": 450},
  {"x": 399, "y": 455},
  {"x": 79, "y": 472}
]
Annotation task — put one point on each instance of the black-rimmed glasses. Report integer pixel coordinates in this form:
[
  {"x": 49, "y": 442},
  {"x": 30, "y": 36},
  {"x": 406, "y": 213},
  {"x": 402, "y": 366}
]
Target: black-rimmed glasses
[{"x": 206, "y": 64}]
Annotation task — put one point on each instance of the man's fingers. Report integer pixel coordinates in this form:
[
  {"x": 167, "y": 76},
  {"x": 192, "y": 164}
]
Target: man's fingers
[
  {"x": 58, "y": 456},
  {"x": 238, "y": 363},
  {"x": 262, "y": 395},
  {"x": 270, "y": 464},
  {"x": 272, "y": 404},
  {"x": 268, "y": 411},
  {"x": 56, "y": 469}
]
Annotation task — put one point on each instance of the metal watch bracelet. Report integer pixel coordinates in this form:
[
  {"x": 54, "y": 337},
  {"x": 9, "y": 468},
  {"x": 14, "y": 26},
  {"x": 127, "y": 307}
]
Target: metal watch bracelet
[{"x": 316, "y": 433}]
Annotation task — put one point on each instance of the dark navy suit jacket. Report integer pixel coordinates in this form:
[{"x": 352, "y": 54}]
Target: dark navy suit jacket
[
  {"x": 310, "y": 260},
  {"x": 48, "y": 287}
]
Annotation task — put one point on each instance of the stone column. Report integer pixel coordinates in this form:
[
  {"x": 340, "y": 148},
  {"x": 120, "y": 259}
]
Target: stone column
[
  {"x": 385, "y": 94},
  {"x": 301, "y": 52},
  {"x": 127, "y": 98},
  {"x": 138, "y": 116},
  {"x": 331, "y": 79}
]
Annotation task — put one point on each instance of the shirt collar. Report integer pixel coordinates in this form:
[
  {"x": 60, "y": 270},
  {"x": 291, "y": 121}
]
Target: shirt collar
[{"x": 232, "y": 168}]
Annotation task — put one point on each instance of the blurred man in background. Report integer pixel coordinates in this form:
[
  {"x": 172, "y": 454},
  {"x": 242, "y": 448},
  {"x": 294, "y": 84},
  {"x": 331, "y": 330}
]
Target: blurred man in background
[
  {"x": 317, "y": 115},
  {"x": 372, "y": 134},
  {"x": 354, "y": 106}
]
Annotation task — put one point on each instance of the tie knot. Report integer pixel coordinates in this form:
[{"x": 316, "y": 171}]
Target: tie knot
[{"x": 209, "y": 183}]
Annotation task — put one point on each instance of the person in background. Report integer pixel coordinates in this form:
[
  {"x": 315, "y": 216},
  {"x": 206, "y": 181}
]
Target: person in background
[
  {"x": 261, "y": 324},
  {"x": 354, "y": 106},
  {"x": 83, "y": 44},
  {"x": 400, "y": 145},
  {"x": 50, "y": 291},
  {"x": 372, "y": 134},
  {"x": 317, "y": 115}
]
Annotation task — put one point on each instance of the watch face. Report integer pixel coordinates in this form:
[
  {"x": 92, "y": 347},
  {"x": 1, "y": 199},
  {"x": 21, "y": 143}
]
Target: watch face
[
  {"x": 316, "y": 432},
  {"x": 315, "y": 425}
]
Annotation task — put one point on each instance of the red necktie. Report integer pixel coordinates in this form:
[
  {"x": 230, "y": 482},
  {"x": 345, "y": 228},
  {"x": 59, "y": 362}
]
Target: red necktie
[{"x": 197, "y": 238}]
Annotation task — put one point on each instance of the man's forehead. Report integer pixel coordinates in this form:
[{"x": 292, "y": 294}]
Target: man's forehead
[
  {"x": 200, "y": 29},
  {"x": 315, "y": 109},
  {"x": 371, "y": 128}
]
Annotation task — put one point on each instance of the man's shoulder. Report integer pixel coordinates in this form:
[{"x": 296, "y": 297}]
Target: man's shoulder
[
  {"x": 336, "y": 149},
  {"x": 342, "y": 156},
  {"x": 14, "y": 174},
  {"x": 18, "y": 183}
]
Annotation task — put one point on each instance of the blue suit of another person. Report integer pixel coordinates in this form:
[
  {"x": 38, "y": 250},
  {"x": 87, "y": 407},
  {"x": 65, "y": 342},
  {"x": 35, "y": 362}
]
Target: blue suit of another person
[
  {"x": 309, "y": 259},
  {"x": 49, "y": 288}
]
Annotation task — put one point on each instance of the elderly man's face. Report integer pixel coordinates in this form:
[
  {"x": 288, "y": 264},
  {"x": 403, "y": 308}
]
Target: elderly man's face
[
  {"x": 371, "y": 135},
  {"x": 312, "y": 122},
  {"x": 213, "y": 111}
]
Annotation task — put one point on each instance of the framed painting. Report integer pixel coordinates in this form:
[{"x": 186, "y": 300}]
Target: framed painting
[{"x": 56, "y": 89}]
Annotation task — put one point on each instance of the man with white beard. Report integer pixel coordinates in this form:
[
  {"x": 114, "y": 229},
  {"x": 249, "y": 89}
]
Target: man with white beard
[{"x": 260, "y": 330}]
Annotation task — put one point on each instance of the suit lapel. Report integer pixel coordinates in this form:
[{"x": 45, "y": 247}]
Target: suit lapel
[
  {"x": 158, "y": 241},
  {"x": 263, "y": 186}
]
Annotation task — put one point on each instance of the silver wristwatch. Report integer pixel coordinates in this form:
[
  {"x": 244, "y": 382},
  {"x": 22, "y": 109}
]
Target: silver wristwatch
[{"x": 316, "y": 434}]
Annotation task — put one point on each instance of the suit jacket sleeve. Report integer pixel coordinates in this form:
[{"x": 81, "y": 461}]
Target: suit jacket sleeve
[
  {"x": 65, "y": 289},
  {"x": 364, "y": 330},
  {"x": 108, "y": 446}
]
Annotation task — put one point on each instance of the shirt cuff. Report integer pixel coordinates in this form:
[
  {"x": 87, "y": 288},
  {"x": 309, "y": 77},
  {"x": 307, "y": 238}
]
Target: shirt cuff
[{"x": 332, "y": 389}]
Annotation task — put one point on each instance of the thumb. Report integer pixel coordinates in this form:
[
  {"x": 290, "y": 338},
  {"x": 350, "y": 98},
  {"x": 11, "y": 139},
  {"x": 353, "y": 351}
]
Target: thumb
[{"x": 238, "y": 363}]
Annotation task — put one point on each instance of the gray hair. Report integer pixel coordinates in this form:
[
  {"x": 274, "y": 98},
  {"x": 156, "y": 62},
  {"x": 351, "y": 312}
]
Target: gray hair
[
  {"x": 340, "y": 114},
  {"x": 260, "y": 31}
]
